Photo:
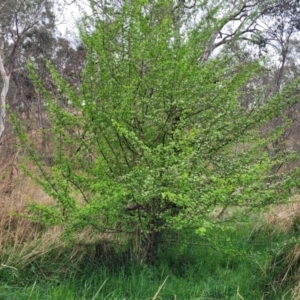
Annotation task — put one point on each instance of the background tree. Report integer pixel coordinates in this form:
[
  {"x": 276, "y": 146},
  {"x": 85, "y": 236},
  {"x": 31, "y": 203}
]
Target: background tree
[
  {"x": 281, "y": 23},
  {"x": 17, "y": 19},
  {"x": 157, "y": 136},
  {"x": 29, "y": 30}
]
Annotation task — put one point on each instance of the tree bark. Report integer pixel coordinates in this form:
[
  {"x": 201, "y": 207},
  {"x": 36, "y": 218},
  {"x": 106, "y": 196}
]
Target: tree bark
[{"x": 6, "y": 80}]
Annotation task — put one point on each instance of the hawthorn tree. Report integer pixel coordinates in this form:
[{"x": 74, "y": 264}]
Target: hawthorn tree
[{"x": 157, "y": 136}]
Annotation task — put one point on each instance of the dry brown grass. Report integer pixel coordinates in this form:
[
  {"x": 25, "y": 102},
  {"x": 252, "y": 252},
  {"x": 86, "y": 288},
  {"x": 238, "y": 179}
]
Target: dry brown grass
[
  {"x": 15, "y": 191},
  {"x": 296, "y": 292},
  {"x": 293, "y": 268},
  {"x": 283, "y": 217},
  {"x": 18, "y": 236}
]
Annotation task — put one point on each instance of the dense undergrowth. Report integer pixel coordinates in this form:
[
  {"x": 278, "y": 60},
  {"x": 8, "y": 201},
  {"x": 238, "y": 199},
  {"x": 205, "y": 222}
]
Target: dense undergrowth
[
  {"x": 255, "y": 256},
  {"x": 241, "y": 261}
]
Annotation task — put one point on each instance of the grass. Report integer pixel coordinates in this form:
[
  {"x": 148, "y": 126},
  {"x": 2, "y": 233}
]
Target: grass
[
  {"x": 235, "y": 264},
  {"x": 241, "y": 261}
]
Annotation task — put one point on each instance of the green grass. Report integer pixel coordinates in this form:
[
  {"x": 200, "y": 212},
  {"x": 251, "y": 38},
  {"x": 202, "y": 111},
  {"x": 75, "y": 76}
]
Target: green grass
[{"x": 234, "y": 263}]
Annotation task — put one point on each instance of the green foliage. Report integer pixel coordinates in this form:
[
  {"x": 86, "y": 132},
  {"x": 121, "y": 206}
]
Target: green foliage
[{"x": 155, "y": 139}]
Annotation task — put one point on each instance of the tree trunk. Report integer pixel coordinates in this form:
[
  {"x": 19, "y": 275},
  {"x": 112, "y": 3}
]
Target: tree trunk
[{"x": 5, "y": 79}]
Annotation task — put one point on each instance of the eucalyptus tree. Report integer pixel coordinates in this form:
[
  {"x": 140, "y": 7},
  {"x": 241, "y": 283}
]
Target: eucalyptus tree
[
  {"x": 29, "y": 31},
  {"x": 18, "y": 18},
  {"x": 279, "y": 26},
  {"x": 157, "y": 136}
]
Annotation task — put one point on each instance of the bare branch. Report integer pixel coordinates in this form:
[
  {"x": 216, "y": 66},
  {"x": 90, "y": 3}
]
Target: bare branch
[{"x": 244, "y": 14}]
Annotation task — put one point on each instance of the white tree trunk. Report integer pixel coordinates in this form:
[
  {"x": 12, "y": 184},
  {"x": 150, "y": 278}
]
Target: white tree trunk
[{"x": 5, "y": 87}]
